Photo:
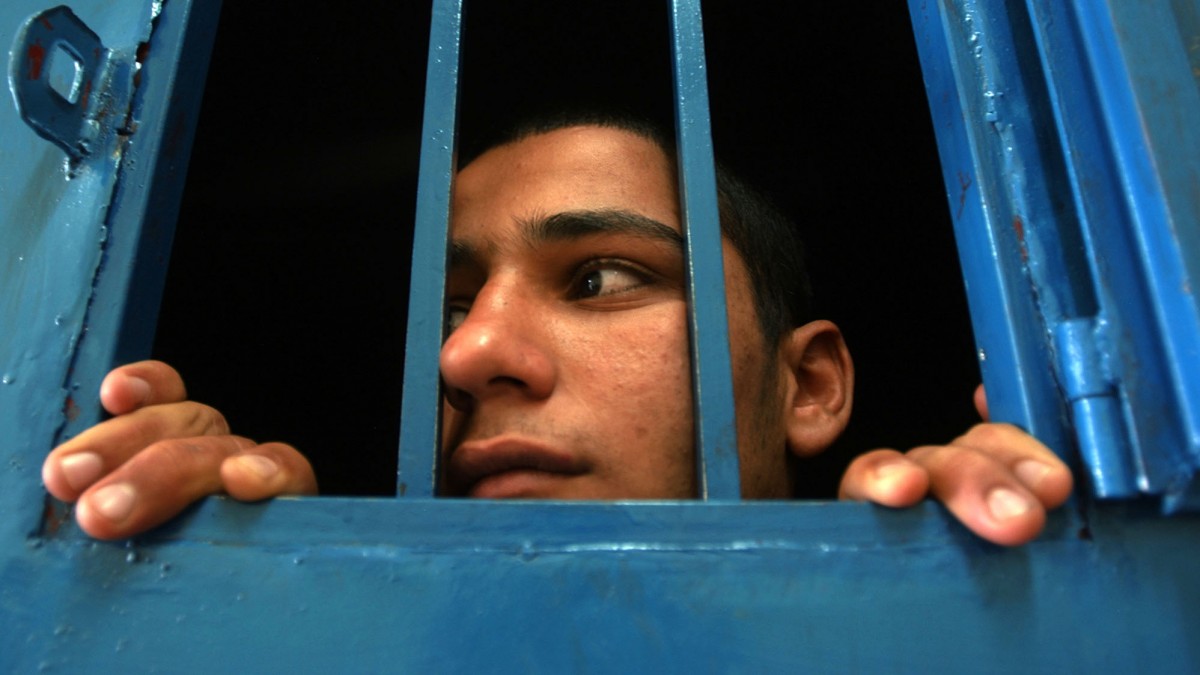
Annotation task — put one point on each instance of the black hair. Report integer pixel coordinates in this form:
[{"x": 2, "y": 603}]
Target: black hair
[{"x": 768, "y": 242}]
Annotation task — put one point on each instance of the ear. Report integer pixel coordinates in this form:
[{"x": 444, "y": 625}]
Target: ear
[{"x": 820, "y": 386}]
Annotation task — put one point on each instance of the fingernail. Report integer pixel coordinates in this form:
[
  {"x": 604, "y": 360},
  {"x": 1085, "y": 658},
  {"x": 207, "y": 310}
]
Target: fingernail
[
  {"x": 1005, "y": 503},
  {"x": 139, "y": 388},
  {"x": 258, "y": 465},
  {"x": 81, "y": 469},
  {"x": 114, "y": 502},
  {"x": 886, "y": 473},
  {"x": 1031, "y": 472}
]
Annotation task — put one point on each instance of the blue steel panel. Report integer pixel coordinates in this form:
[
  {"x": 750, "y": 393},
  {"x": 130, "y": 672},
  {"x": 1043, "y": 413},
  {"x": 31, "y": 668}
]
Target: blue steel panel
[
  {"x": 712, "y": 380},
  {"x": 50, "y": 247},
  {"x": 420, "y": 415},
  {"x": 966, "y": 58},
  {"x": 1146, "y": 251},
  {"x": 466, "y": 586},
  {"x": 69, "y": 230}
]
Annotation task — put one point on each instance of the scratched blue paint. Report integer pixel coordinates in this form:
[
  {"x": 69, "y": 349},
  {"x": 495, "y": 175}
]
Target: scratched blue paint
[
  {"x": 56, "y": 227},
  {"x": 461, "y": 585},
  {"x": 716, "y": 427},
  {"x": 959, "y": 64},
  {"x": 426, "y": 314}
]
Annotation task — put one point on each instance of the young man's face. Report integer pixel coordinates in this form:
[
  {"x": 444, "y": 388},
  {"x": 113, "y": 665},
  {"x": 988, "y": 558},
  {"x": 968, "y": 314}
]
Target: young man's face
[{"x": 567, "y": 370}]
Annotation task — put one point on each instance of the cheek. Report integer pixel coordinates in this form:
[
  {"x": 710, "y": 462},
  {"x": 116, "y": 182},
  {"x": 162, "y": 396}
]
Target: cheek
[
  {"x": 636, "y": 358},
  {"x": 634, "y": 375}
]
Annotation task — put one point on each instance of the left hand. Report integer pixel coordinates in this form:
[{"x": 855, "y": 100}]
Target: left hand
[
  {"x": 159, "y": 453},
  {"x": 997, "y": 479}
]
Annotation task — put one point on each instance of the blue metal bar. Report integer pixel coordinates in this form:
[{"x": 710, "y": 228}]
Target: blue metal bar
[
  {"x": 420, "y": 412},
  {"x": 712, "y": 382}
]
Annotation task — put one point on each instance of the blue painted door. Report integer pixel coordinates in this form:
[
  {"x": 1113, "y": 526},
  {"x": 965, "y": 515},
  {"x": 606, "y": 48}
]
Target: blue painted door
[{"x": 422, "y": 583}]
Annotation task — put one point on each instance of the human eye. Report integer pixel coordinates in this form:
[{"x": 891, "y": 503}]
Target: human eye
[
  {"x": 456, "y": 314},
  {"x": 606, "y": 277}
]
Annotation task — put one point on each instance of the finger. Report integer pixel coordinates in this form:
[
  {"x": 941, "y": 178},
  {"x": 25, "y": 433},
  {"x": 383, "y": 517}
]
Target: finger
[
  {"x": 75, "y": 465},
  {"x": 155, "y": 485},
  {"x": 982, "y": 493},
  {"x": 884, "y": 477},
  {"x": 141, "y": 384},
  {"x": 1034, "y": 465},
  {"x": 267, "y": 470},
  {"x": 981, "y": 403}
]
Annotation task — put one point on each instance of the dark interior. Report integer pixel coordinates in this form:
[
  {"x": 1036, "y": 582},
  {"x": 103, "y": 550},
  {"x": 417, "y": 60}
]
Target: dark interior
[{"x": 285, "y": 302}]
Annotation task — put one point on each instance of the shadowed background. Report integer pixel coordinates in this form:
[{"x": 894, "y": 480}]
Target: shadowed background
[{"x": 286, "y": 296}]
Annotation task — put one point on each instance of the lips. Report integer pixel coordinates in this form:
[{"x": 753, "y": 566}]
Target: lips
[{"x": 509, "y": 467}]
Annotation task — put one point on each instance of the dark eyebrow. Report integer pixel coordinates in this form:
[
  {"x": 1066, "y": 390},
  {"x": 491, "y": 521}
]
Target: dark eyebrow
[
  {"x": 574, "y": 225},
  {"x": 462, "y": 254},
  {"x": 583, "y": 223}
]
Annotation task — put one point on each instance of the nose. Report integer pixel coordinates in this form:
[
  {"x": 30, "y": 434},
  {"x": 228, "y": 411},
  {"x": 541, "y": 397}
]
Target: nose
[{"x": 500, "y": 349}]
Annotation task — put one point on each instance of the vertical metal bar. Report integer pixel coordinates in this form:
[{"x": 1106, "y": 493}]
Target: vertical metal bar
[
  {"x": 420, "y": 412},
  {"x": 965, "y": 56},
  {"x": 712, "y": 380}
]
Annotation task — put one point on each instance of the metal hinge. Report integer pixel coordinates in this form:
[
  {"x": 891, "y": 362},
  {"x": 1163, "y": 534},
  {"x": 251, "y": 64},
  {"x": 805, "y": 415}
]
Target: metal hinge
[
  {"x": 1104, "y": 442},
  {"x": 67, "y": 86}
]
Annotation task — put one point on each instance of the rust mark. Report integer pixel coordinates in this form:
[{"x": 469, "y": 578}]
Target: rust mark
[
  {"x": 71, "y": 409},
  {"x": 47, "y": 24},
  {"x": 964, "y": 184},
  {"x": 1019, "y": 228},
  {"x": 37, "y": 59},
  {"x": 51, "y": 519}
]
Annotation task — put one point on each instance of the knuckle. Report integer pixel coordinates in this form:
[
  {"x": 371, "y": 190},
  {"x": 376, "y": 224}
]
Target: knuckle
[
  {"x": 178, "y": 451},
  {"x": 948, "y": 459},
  {"x": 206, "y": 420}
]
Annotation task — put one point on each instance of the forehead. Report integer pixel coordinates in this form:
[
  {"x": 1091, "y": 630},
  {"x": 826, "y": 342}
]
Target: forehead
[{"x": 584, "y": 167}]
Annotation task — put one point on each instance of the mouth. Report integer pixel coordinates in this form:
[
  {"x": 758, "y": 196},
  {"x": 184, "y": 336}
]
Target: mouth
[{"x": 509, "y": 468}]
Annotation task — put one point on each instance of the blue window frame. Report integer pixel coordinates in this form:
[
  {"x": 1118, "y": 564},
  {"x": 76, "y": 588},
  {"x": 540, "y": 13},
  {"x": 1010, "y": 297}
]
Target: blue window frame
[{"x": 417, "y": 583}]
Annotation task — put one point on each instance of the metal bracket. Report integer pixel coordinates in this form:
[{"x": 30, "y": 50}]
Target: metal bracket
[{"x": 63, "y": 84}]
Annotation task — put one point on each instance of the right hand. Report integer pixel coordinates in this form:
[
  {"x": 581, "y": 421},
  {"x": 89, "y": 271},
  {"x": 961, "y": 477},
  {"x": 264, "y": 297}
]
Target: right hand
[
  {"x": 997, "y": 479},
  {"x": 159, "y": 453}
]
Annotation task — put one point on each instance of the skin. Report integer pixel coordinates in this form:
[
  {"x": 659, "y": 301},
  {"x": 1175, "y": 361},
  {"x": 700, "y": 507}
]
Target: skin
[{"x": 567, "y": 373}]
